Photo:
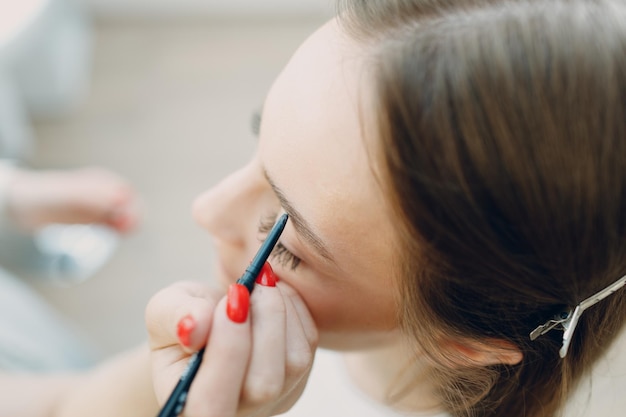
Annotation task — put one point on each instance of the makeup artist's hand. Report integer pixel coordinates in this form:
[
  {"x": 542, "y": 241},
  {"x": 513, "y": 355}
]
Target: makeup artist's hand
[
  {"x": 257, "y": 366},
  {"x": 86, "y": 195}
]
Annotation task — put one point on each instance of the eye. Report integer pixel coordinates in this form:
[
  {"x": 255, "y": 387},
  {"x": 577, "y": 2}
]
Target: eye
[
  {"x": 285, "y": 258},
  {"x": 280, "y": 253}
]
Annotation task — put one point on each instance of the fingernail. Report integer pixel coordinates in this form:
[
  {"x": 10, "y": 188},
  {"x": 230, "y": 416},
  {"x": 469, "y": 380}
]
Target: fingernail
[
  {"x": 238, "y": 303},
  {"x": 185, "y": 326},
  {"x": 122, "y": 224},
  {"x": 267, "y": 277},
  {"x": 121, "y": 219}
]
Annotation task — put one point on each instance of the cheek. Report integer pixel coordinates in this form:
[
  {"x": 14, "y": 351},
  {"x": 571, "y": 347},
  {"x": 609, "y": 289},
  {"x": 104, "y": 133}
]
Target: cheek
[
  {"x": 337, "y": 307},
  {"x": 327, "y": 309}
]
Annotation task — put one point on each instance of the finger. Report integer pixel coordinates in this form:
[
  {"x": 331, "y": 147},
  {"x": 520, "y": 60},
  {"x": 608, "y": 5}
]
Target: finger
[
  {"x": 301, "y": 336},
  {"x": 176, "y": 304},
  {"x": 299, "y": 351},
  {"x": 216, "y": 389},
  {"x": 125, "y": 215},
  {"x": 266, "y": 373},
  {"x": 292, "y": 396},
  {"x": 308, "y": 324}
]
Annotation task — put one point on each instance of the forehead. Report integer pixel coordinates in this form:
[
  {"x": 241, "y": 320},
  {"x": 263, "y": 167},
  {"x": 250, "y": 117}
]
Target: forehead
[{"x": 313, "y": 144}]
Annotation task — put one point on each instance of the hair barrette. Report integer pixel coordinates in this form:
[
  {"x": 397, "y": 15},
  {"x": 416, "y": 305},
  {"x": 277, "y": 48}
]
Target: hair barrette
[{"x": 567, "y": 320}]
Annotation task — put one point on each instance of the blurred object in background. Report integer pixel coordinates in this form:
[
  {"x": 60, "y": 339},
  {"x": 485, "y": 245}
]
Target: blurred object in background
[
  {"x": 59, "y": 254},
  {"x": 45, "y": 60},
  {"x": 45, "y": 66},
  {"x": 172, "y": 86}
]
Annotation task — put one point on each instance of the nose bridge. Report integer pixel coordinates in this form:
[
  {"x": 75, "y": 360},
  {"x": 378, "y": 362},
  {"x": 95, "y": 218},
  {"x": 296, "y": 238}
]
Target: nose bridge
[{"x": 227, "y": 208}]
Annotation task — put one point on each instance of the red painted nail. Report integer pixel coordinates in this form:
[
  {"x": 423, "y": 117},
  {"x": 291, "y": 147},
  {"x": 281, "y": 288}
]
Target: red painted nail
[
  {"x": 186, "y": 325},
  {"x": 267, "y": 277},
  {"x": 238, "y": 303}
]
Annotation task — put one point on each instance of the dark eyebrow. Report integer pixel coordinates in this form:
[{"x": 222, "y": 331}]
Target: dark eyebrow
[{"x": 299, "y": 223}]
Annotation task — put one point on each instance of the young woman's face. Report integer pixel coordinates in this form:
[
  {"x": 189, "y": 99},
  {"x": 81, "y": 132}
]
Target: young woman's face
[{"x": 338, "y": 247}]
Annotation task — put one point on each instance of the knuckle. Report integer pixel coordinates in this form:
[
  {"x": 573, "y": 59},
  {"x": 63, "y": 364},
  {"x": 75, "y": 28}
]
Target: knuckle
[
  {"x": 299, "y": 361},
  {"x": 261, "y": 390},
  {"x": 313, "y": 336},
  {"x": 153, "y": 304},
  {"x": 152, "y": 312}
]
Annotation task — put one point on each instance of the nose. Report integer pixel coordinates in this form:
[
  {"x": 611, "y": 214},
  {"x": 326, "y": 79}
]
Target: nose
[{"x": 230, "y": 209}]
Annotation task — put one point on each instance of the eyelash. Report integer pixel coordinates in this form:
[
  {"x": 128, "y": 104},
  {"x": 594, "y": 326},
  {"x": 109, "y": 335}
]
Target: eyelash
[{"x": 283, "y": 255}]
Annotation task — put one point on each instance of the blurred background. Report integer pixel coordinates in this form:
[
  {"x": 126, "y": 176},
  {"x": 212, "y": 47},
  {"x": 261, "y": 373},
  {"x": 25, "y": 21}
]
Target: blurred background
[{"x": 161, "y": 91}]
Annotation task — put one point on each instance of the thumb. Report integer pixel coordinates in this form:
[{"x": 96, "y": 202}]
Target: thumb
[{"x": 181, "y": 314}]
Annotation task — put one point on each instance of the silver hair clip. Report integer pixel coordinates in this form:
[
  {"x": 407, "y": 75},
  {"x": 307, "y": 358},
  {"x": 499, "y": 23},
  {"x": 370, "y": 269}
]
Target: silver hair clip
[{"x": 568, "y": 320}]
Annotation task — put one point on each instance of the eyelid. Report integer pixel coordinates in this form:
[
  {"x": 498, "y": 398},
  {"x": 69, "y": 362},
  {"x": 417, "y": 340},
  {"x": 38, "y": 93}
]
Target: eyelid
[{"x": 284, "y": 256}]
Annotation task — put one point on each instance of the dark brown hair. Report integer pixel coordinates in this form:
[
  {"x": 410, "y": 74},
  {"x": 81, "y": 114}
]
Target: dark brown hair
[{"x": 503, "y": 135}]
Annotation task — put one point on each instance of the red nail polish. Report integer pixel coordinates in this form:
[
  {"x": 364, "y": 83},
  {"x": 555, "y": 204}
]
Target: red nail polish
[
  {"x": 267, "y": 277},
  {"x": 238, "y": 303},
  {"x": 185, "y": 326}
]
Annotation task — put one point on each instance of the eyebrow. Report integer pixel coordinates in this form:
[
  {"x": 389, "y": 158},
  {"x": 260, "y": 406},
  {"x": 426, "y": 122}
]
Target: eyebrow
[{"x": 299, "y": 223}]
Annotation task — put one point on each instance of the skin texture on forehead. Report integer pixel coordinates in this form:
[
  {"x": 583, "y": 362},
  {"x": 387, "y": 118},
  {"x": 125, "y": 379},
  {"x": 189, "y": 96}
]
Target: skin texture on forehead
[
  {"x": 311, "y": 145},
  {"x": 319, "y": 130}
]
